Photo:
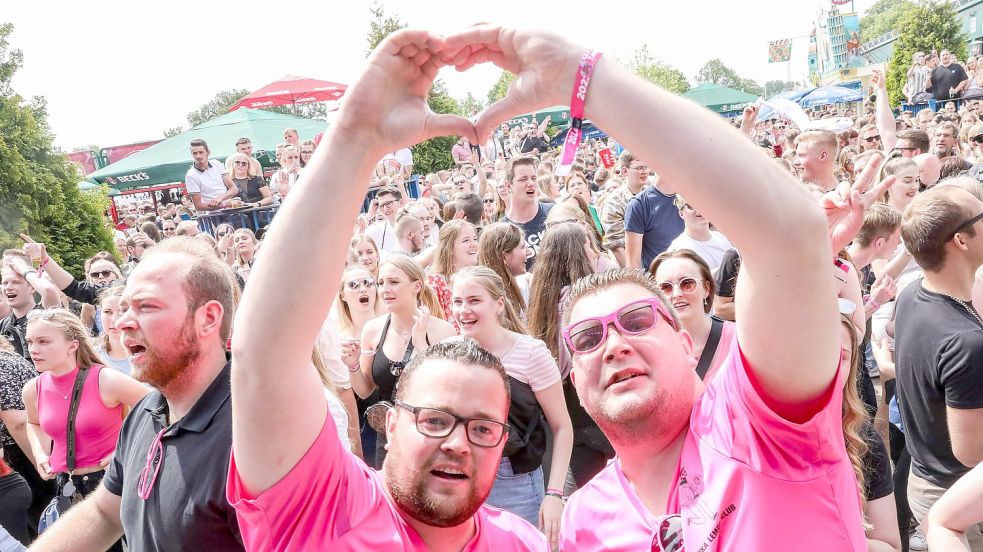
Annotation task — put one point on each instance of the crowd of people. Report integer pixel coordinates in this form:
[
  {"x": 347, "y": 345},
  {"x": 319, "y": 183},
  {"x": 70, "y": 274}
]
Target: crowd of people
[{"x": 776, "y": 347}]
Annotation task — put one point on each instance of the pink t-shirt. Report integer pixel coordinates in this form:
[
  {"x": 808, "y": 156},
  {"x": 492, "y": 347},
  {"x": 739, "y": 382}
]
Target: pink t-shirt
[
  {"x": 747, "y": 480},
  {"x": 332, "y": 501}
]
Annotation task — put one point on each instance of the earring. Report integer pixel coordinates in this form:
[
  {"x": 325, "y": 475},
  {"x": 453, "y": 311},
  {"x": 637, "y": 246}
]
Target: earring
[
  {"x": 704, "y": 301},
  {"x": 386, "y": 446}
]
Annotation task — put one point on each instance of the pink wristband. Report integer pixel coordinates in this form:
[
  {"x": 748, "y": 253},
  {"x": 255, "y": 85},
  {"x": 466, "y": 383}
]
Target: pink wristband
[{"x": 577, "y": 100}]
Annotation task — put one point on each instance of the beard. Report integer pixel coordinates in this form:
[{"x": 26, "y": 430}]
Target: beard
[
  {"x": 409, "y": 490},
  {"x": 624, "y": 420},
  {"x": 164, "y": 364}
]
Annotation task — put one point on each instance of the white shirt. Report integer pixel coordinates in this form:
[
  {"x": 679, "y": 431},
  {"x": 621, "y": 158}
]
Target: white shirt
[
  {"x": 209, "y": 183},
  {"x": 384, "y": 236},
  {"x": 712, "y": 251}
]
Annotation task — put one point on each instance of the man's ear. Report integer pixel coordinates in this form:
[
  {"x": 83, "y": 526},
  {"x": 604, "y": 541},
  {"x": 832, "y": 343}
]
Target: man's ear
[{"x": 824, "y": 155}]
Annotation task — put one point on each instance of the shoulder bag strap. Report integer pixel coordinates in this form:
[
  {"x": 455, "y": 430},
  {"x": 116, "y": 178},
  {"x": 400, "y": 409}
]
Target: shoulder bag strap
[
  {"x": 73, "y": 409},
  {"x": 710, "y": 349}
]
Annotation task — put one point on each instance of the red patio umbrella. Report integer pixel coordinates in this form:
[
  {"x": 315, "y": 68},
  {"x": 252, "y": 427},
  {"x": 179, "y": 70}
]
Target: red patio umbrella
[{"x": 292, "y": 90}]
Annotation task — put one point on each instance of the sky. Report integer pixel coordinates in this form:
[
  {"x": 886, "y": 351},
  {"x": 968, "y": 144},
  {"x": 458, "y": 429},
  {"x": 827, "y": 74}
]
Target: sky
[{"x": 118, "y": 72}]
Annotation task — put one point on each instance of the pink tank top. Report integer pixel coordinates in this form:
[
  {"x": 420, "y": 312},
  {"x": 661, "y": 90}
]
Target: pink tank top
[{"x": 96, "y": 426}]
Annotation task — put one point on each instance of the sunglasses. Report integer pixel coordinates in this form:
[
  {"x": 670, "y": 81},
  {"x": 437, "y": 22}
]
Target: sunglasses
[
  {"x": 873, "y": 138},
  {"x": 101, "y": 274},
  {"x": 489, "y": 201},
  {"x": 686, "y": 285},
  {"x": 966, "y": 225},
  {"x": 977, "y": 139},
  {"x": 221, "y": 235},
  {"x": 632, "y": 319},
  {"x": 366, "y": 283}
]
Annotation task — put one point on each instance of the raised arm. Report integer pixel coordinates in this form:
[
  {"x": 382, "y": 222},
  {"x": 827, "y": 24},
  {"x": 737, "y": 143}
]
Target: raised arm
[
  {"x": 47, "y": 290},
  {"x": 271, "y": 349},
  {"x": 887, "y": 127}
]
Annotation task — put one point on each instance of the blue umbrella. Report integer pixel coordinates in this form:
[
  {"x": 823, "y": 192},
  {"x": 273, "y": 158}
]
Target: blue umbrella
[
  {"x": 830, "y": 95},
  {"x": 792, "y": 95}
]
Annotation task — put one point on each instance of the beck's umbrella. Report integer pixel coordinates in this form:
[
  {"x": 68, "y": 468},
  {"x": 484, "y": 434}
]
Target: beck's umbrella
[
  {"x": 825, "y": 95},
  {"x": 292, "y": 90}
]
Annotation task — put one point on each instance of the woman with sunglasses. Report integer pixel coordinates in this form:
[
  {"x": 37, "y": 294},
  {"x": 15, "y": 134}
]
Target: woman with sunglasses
[
  {"x": 565, "y": 263},
  {"x": 252, "y": 188},
  {"x": 457, "y": 248},
  {"x": 685, "y": 280},
  {"x": 484, "y": 315},
  {"x": 60, "y": 349},
  {"x": 366, "y": 253},
  {"x": 109, "y": 345},
  {"x": 414, "y": 321},
  {"x": 488, "y": 214}
]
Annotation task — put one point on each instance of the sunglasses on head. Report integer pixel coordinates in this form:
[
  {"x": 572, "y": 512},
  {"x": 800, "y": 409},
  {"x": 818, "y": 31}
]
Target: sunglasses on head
[
  {"x": 101, "y": 274},
  {"x": 634, "y": 318}
]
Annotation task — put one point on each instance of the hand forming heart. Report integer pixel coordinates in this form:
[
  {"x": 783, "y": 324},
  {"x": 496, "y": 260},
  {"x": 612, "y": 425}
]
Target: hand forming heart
[{"x": 386, "y": 108}]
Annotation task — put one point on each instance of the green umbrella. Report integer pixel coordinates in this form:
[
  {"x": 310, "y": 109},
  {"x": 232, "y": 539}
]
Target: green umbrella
[
  {"x": 169, "y": 160},
  {"x": 720, "y": 99}
]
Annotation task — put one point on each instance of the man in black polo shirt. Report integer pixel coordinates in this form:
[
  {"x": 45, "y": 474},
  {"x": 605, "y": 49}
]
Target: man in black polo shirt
[
  {"x": 948, "y": 79},
  {"x": 939, "y": 346},
  {"x": 165, "y": 488}
]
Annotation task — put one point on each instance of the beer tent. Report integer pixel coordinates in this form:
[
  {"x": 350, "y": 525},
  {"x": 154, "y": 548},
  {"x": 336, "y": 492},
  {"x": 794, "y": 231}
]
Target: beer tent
[{"x": 169, "y": 160}]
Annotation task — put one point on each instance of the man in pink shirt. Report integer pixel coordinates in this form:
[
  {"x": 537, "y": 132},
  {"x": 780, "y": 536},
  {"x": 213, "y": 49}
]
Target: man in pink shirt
[
  {"x": 293, "y": 485},
  {"x": 756, "y": 461}
]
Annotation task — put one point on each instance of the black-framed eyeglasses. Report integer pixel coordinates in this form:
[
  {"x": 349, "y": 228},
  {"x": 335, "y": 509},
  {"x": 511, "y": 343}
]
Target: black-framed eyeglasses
[
  {"x": 433, "y": 422},
  {"x": 367, "y": 283},
  {"x": 966, "y": 225},
  {"x": 873, "y": 138},
  {"x": 387, "y": 204},
  {"x": 642, "y": 168}
]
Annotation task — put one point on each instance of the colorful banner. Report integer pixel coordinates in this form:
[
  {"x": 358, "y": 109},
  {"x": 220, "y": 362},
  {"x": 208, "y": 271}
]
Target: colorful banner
[
  {"x": 607, "y": 158},
  {"x": 86, "y": 160},
  {"x": 779, "y": 50},
  {"x": 115, "y": 153}
]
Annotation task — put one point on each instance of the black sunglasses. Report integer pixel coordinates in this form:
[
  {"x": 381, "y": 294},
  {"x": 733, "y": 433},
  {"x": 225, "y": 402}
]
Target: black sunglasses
[
  {"x": 966, "y": 225},
  {"x": 101, "y": 274},
  {"x": 873, "y": 138},
  {"x": 977, "y": 139}
]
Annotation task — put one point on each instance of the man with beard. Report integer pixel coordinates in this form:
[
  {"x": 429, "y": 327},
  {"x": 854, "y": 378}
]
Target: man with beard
[
  {"x": 165, "y": 487},
  {"x": 409, "y": 235},
  {"x": 756, "y": 460},
  {"x": 292, "y": 483}
]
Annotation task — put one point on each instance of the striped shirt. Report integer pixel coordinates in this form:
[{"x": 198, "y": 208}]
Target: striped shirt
[{"x": 918, "y": 79}]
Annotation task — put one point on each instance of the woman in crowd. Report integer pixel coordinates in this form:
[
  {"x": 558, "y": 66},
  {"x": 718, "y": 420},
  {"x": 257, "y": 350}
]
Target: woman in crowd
[
  {"x": 484, "y": 315},
  {"x": 414, "y": 322},
  {"x": 974, "y": 88},
  {"x": 283, "y": 179},
  {"x": 244, "y": 245},
  {"x": 502, "y": 248},
  {"x": 844, "y": 163},
  {"x": 355, "y": 305},
  {"x": 60, "y": 348},
  {"x": 905, "y": 172},
  {"x": 366, "y": 253},
  {"x": 565, "y": 212},
  {"x": 867, "y": 452},
  {"x": 561, "y": 263},
  {"x": 577, "y": 186},
  {"x": 457, "y": 248},
  {"x": 252, "y": 188},
  {"x": 109, "y": 345},
  {"x": 685, "y": 279},
  {"x": 223, "y": 242},
  {"x": 488, "y": 215},
  {"x": 151, "y": 230},
  {"x": 549, "y": 185}
]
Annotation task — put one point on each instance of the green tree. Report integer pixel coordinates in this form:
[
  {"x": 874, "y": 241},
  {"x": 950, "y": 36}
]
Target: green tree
[
  {"x": 882, "y": 17},
  {"x": 501, "y": 87},
  {"x": 470, "y": 106},
  {"x": 644, "y": 64},
  {"x": 38, "y": 187},
  {"x": 219, "y": 105},
  {"x": 381, "y": 25},
  {"x": 173, "y": 131},
  {"x": 716, "y": 72},
  {"x": 929, "y": 25},
  {"x": 773, "y": 87}
]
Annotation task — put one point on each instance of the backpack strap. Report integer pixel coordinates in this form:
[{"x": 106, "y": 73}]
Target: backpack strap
[
  {"x": 710, "y": 349},
  {"x": 73, "y": 409}
]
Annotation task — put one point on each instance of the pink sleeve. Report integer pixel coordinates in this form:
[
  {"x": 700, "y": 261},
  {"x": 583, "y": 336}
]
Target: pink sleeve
[
  {"x": 732, "y": 417},
  {"x": 319, "y": 500},
  {"x": 541, "y": 369}
]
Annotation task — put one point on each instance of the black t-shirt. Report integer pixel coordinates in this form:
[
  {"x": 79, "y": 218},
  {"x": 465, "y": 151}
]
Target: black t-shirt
[
  {"x": 944, "y": 78},
  {"x": 726, "y": 279},
  {"x": 534, "y": 142},
  {"x": 249, "y": 188},
  {"x": 187, "y": 508},
  {"x": 878, "y": 481},
  {"x": 939, "y": 352},
  {"x": 534, "y": 230}
]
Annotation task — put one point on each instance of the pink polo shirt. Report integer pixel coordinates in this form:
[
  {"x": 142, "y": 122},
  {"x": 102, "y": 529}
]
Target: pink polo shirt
[
  {"x": 332, "y": 501},
  {"x": 747, "y": 480}
]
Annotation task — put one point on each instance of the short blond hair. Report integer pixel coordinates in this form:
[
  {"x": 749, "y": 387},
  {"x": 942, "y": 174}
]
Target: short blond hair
[{"x": 823, "y": 138}]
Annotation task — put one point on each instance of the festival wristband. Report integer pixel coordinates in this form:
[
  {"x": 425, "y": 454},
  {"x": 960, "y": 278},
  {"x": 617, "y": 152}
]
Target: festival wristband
[{"x": 577, "y": 100}]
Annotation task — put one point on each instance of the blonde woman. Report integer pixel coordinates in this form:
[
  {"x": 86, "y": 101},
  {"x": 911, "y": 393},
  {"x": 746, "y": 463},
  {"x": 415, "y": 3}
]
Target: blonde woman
[
  {"x": 244, "y": 247},
  {"x": 59, "y": 345},
  {"x": 366, "y": 253},
  {"x": 109, "y": 345},
  {"x": 457, "y": 248},
  {"x": 252, "y": 188},
  {"x": 414, "y": 321}
]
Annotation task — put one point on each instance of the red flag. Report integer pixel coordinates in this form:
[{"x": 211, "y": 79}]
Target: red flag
[{"x": 607, "y": 158}]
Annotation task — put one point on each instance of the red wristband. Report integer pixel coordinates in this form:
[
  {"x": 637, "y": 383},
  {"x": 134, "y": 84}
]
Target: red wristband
[{"x": 577, "y": 100}]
